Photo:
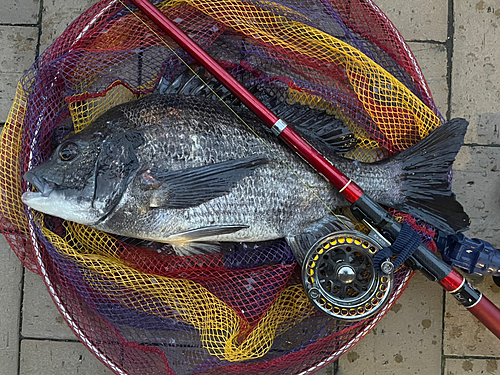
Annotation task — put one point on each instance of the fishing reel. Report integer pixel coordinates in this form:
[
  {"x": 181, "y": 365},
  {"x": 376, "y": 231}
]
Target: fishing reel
[{"x": 340, "y": 279}]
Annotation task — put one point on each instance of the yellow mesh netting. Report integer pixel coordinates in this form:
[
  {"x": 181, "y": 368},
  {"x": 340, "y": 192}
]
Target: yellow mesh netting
[
  {"x": 389, "y": 103},
  {"x": 85, "y": 111},
  {"x": 11, "y": 206},
  {"x": 218, "y": 324}
]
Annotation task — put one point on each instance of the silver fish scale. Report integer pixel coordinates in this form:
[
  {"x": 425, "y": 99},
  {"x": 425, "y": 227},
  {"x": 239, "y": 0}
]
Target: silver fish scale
[
  {"x": 188, "y": 132},
  {"x": 165, "y": 165}
]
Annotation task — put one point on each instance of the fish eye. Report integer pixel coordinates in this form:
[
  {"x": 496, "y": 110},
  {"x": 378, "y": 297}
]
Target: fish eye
[{"x": 68, "y": 151}]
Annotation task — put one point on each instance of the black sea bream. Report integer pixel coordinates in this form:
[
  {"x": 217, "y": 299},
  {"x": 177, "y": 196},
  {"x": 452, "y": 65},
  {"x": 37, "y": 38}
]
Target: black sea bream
[{"x": 184, "y": 170}]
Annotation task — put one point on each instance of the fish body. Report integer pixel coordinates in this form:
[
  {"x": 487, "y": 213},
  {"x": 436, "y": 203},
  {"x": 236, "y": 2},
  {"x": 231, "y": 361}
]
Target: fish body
[{"x": 184, "y": 170}]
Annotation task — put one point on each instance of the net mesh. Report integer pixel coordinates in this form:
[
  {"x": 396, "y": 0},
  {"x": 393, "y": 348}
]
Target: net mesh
[{"x": 243, "y": 310}]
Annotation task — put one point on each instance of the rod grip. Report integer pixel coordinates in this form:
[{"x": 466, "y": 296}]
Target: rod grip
[
  {"x": 488, "y": 314},
  {"x": 471, "y": 298}
]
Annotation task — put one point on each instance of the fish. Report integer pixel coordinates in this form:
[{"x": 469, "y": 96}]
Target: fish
[{"x": 184, "y": 170}]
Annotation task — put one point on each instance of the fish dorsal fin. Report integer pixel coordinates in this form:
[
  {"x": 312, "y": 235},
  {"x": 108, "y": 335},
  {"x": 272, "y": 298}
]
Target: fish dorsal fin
[
  {"x": 315, "y": 125},
  {"x": 193, "y": 186}
]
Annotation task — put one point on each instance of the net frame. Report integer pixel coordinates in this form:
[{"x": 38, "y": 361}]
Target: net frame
[{"x": 33, "y": 254}]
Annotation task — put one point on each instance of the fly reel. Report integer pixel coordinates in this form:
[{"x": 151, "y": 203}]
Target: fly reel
[{"x": 340, "y": 279}]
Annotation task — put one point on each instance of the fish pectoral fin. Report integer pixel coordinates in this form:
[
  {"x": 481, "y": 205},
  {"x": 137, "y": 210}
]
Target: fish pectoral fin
[
  {"x": 301, "y": 243},
  {"x": 198, "y": 234},
  {"x": 194, "y": 186}
]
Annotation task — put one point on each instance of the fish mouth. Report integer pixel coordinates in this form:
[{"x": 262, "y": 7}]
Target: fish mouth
[{"x": 41, "y": 184}]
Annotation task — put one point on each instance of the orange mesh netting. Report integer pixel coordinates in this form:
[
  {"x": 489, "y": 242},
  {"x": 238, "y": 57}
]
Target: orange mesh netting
[{"x": 143, "y": 311}]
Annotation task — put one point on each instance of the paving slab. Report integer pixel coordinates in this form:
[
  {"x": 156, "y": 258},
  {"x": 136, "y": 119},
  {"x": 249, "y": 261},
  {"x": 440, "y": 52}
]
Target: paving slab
[
  {"x": 328, "y": 370},
  {"x": 8, "y": 87},
  {"x": 41, "y": 319},
  {"x": 57, "y": 15},
  {"x": 418, "y": 19},
  {"x": 18, "y": 54},
  {"x": 408, "y": 338},
  {"x": 476, "y": 58},
  {"x": 432, "y": 59},
  {"x": 475, "y": 93},
  {"x": 464, "y": 335},
  {"x": 471, "y": 366},
  {"x": 476, "y": 182},
  {"x": 11, "y": 273},
  {"x": 18, "y": 48},
  {"x": 16, "y": 12},
  {"x": 40, "y": 357}
]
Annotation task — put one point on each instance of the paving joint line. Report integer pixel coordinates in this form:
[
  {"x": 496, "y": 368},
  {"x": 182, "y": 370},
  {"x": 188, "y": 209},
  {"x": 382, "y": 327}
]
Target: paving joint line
[
  {"x": 21, "y": 305},
  {"x": 451, "y": 356},
  {"x": 450, "y": 33},
  {"x": 39, "y": 24},
  {"x": 336, "y": 367},
  {"x": 19, "y": 24},
  {"x": 443, "y": 312},
  {"x": 492, "y": 145},
  {"x": 47, "y": 339},
  {"x": 449, "y": 53},
  {"x": 428, "y": 42}
]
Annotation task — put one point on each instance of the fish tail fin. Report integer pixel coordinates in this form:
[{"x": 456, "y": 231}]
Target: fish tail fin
[{"x": 426, "y": 169}]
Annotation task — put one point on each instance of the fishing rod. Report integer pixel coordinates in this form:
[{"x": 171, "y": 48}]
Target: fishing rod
[{"x": 363, "y": 206}]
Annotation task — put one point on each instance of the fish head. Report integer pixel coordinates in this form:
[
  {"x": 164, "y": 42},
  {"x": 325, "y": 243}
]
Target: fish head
[{"x": 84, "y": 179}]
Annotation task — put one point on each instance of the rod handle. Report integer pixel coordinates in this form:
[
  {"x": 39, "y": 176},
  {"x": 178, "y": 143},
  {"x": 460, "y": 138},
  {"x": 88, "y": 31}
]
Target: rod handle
[
  {"x": 479, "y": 305},
  {"x": 488, "y": 314}
]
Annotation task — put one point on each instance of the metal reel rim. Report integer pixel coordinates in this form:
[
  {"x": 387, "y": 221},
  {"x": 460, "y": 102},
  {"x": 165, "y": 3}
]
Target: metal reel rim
[{"x": 355, "y": 308}]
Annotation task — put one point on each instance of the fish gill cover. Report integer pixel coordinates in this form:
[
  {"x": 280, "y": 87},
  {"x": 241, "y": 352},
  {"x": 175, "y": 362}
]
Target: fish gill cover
[{"x": 242, "y": 310}]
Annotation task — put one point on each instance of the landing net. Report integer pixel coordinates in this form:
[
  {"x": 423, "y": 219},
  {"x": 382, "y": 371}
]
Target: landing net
[{"x": 244, "y": 310}]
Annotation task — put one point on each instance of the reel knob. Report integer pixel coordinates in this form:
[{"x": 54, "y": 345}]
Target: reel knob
[{"x": 340, "y": 279}]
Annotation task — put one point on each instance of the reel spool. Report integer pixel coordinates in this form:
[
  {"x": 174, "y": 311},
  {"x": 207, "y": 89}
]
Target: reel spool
[{"x": 340, "y": 279}]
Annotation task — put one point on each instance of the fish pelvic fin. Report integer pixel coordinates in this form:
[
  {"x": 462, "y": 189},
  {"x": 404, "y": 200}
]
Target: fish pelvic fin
[
  {"x": 426, "y": 167},
  {"x": 301, "y": 243},
  {"x": 196, "y": 248},
  {"x": 196, "y": 241}
]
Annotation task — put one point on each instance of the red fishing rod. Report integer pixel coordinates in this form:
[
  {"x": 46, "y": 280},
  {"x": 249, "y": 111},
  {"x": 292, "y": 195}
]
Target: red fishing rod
[{"x": 364, "y": 207}]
